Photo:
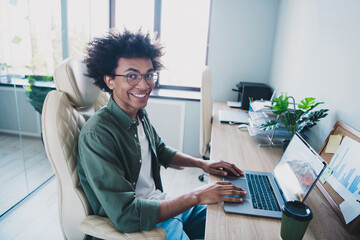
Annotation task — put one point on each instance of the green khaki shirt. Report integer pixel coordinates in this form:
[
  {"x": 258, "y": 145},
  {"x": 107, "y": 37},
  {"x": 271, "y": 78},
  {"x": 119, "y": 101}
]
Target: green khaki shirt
[{"x": 109, "y": 161}]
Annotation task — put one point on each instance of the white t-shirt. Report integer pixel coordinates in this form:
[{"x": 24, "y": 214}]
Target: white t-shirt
[{"x": 145, "y": 187}]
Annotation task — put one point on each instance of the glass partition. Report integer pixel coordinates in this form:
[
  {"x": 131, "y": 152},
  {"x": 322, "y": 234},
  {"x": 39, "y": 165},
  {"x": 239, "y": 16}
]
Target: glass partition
[
  {"x": 13, "y": 184},
  {"x": 27, "y": 43},
  {"x": 34, "y": 36}
]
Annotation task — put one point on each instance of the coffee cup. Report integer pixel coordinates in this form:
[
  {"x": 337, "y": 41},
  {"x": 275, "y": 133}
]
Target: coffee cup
[{"x": 295, "y": 219}]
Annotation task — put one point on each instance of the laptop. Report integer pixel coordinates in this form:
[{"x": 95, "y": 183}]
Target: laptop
[
  {"x": 233, "y": 117},
  {"x": 293, "y": 178}
]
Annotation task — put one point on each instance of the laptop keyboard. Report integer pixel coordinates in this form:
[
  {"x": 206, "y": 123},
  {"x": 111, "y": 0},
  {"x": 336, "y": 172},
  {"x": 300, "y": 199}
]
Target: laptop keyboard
[{"x": 262, "y": 195}]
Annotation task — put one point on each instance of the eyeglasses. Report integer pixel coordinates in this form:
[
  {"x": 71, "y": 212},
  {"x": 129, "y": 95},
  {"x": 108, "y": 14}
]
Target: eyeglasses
[{"x": 134, "y": 78}]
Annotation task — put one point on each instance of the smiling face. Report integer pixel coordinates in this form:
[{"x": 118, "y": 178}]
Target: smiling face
[{"x": 130, "y": 98}]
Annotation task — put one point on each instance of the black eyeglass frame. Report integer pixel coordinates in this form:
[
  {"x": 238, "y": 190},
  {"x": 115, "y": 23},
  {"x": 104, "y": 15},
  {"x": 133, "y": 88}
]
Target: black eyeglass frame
[{"x": 154, "y": 80}]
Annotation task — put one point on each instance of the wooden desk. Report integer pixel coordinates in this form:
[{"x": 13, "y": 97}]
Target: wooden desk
[{"x": 237, "y": 146}]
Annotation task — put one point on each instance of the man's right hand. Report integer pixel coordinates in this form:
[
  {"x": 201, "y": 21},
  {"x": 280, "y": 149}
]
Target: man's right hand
[
  {"x": 208, "y": 194},
  {"x": 219, "y": 191}
]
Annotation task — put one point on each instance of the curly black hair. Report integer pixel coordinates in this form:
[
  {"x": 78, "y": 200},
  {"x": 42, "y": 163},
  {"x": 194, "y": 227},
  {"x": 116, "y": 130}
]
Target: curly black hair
[{"x": 103, "y": 53}]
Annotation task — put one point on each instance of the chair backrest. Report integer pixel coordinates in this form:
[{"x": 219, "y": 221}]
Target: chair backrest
[
  {"x": 205, "y": 111},
  {"x": 64, "y": 113}
]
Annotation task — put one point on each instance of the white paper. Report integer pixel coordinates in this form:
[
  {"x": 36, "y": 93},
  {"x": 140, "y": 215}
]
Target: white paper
[
  {"x": 259, "y": 105},
  {"x": 345, "y": 178},
  {"x": 348, "y": 211}
]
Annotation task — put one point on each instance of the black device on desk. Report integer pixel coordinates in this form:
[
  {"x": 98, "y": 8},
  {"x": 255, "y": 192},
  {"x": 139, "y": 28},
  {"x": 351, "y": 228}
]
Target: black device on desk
[{"x": 254, "y": 91}]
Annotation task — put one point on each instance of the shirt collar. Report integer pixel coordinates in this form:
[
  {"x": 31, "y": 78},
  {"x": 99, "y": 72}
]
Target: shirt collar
[{"x": 124, "y": 119}]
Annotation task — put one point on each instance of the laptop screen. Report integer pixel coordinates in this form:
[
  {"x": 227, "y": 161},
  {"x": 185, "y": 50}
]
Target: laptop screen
[{"x": 298, "y": 169}]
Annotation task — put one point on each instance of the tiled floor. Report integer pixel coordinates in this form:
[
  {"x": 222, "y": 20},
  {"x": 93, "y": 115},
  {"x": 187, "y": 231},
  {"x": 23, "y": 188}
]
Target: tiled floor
[
  {"x": 23, "y": 168},
  {"x": 34, "y": 218}
]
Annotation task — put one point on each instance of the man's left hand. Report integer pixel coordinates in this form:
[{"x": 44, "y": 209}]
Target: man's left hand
[{"x": 216, "y": 168}]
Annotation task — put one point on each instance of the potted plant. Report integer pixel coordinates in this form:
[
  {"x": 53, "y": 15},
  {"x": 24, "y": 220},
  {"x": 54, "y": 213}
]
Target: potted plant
[
  {"x": 297, "y": 119},
  {"x": 37, "y": 94}
]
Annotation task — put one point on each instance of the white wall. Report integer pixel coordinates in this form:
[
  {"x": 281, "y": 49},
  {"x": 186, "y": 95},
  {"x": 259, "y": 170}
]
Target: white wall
[
  {"x": 317, "y": 53},
  {"x": 241, "y": 42},
  {"x": 306, "y": 48}
]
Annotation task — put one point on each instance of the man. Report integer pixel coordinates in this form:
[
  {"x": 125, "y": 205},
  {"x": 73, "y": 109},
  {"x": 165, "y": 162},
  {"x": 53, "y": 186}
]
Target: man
[{"x": 120, "y": 153}]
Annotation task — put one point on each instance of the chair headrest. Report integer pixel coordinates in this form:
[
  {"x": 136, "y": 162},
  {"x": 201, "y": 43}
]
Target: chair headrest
[{"x": 70, "y": 78}]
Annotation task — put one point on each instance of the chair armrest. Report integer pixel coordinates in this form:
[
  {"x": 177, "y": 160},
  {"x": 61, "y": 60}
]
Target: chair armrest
[{"x": 101, "y": 227}]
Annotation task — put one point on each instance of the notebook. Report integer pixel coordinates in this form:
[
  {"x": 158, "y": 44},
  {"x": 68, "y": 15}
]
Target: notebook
[
  {"x": 293, "y": 178},
  {"x": 233, "y": 117}
]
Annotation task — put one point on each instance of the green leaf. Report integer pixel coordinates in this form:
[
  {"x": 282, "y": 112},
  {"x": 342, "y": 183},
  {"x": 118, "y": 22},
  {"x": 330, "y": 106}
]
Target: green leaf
[
  {"x": 16, "y": 40},
  {"x": 33, "y": 78},
  {"x": 269, "y": 125},
  {"x": 298, "y": 120},
  {"x": 306, "y": 103},
  {"x": 291, "y": 119},
  {"x": 280, "y": 104},
  {"x": 36, "y": 94},
  {"x": 311, "y": 119}
]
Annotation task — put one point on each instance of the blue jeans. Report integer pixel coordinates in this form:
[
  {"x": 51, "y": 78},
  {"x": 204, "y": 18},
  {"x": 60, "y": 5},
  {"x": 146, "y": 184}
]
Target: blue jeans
[{"x": 188, "y": 225}]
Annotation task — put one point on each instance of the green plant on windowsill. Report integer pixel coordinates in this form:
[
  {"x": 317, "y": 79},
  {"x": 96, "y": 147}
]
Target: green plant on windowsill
[
  {"x": 297, "y": 119},
  {"x": 37, "y": 94}
]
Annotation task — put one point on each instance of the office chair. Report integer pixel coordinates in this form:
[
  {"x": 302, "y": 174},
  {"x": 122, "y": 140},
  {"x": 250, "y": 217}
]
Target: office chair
[
  {"x": 64, "y": 113},
  {"x": 205, "y": 115}
]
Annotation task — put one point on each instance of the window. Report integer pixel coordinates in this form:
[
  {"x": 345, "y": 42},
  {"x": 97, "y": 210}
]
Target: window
[
  {"x": 135, "y": 14},
  {"x": 183, "y": 29},
  {"x": 86, "y": 20},
  {"x": 31, "y": 37},
  {"x": 38, "y": 34}
]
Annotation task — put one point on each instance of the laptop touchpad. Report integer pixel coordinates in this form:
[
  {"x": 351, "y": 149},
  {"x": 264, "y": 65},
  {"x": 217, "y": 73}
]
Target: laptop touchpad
[{"x": 240, "y": 182}]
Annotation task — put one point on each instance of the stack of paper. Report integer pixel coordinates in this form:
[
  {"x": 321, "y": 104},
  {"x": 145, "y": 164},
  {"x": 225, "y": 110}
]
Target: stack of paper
[
  {"x": 261, "y": 105},
  {"x": 258, "y": 118}
]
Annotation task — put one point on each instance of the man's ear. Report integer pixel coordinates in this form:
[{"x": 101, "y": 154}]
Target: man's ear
[{"x": 109, "y": 81}]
